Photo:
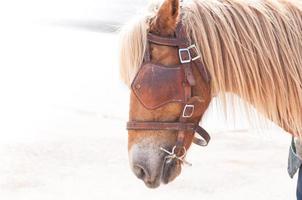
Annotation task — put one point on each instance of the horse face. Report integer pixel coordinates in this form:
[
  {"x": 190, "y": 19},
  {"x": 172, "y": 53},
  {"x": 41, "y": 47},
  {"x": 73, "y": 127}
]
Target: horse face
[{"x": 147, "y": 160}]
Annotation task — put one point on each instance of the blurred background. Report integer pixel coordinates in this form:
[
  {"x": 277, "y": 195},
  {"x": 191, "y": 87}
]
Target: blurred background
[{"x": 63, "y": 111}]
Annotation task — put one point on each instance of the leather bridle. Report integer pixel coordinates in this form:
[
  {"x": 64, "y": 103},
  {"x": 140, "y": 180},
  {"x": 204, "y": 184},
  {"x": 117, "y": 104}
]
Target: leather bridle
[{"x": 150, "y": 76}]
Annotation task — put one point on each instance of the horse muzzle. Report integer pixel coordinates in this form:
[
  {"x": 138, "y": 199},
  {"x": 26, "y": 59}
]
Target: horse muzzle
[{"x": 152, "y": 165}]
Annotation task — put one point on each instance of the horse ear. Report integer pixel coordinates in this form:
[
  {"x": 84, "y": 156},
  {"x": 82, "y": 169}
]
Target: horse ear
[{"x": 167, "y": 18}]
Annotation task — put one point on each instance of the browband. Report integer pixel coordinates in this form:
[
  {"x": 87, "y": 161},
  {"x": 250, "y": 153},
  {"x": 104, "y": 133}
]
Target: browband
[{"x": 167, "y": 41}]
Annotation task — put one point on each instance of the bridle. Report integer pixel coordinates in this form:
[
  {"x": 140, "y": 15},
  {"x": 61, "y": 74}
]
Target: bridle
[{"x": 156, "y": 85}]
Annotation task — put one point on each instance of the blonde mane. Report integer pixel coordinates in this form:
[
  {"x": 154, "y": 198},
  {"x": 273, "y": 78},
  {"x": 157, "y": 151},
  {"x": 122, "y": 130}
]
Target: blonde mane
[{"x": 252, "y": 48}]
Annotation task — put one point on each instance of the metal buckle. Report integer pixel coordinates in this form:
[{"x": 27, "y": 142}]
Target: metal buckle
[
  {"x": 187, "y": 106},
  {"x": 193, "y": 46},
  {"x": 184, "y": 50}
]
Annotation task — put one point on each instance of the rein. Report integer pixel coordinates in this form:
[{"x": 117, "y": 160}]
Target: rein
[{"x": 156, "y": 85}]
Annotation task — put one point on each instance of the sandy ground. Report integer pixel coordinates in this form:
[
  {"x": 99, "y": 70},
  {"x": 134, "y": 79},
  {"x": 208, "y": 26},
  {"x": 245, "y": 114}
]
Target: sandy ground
[{"x": 62, "y": 139}]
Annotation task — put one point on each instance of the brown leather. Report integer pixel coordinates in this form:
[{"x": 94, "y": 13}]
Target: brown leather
[
  {"x": 176, "y": 126},
  {"x": 181, "y": 42},
  {"x": 205, "y": 137},
  {"x": 156, "y": 85},
  {"x": 147, "y": 56},
  {"x": 202, "y": 70},
  {"x": 181, "y": 34},
  {"x": 186, "y": 128},
  {"x": 167, "y": 41}
]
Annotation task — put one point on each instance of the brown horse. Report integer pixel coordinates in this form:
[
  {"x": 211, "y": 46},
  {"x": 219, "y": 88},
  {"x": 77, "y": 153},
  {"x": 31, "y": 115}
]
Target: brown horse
[{"x": 249, "y": 48}]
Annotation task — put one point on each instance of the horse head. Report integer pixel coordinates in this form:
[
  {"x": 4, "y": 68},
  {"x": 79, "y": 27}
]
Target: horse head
[{"x": 169, "y": 95}]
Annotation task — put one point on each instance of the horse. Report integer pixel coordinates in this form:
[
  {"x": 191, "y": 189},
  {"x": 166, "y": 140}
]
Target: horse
[{"x": 252, "y": 49}]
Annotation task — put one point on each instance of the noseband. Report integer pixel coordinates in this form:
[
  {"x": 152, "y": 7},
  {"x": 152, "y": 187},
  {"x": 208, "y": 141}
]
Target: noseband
[{"x": 156, "y": 85}]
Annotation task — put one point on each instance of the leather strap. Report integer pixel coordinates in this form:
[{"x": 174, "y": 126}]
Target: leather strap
[
  {"x": 181, "y": 137},
  {"x": 201, "y": 68},
  {"x": 181, "y": 35},
  {"x": 147, "y": 56},
  {"x": 166, "y": 41},
  {"x": 177, "y": 126},
  {"x": 205, "y": 137}
]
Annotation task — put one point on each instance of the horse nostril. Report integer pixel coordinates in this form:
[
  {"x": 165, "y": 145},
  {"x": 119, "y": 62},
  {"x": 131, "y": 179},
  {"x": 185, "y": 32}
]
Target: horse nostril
[{"x": 140, "y": 172}]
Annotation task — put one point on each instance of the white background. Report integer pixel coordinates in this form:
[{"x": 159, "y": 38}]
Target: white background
[{"x": 63, "y": 111}]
